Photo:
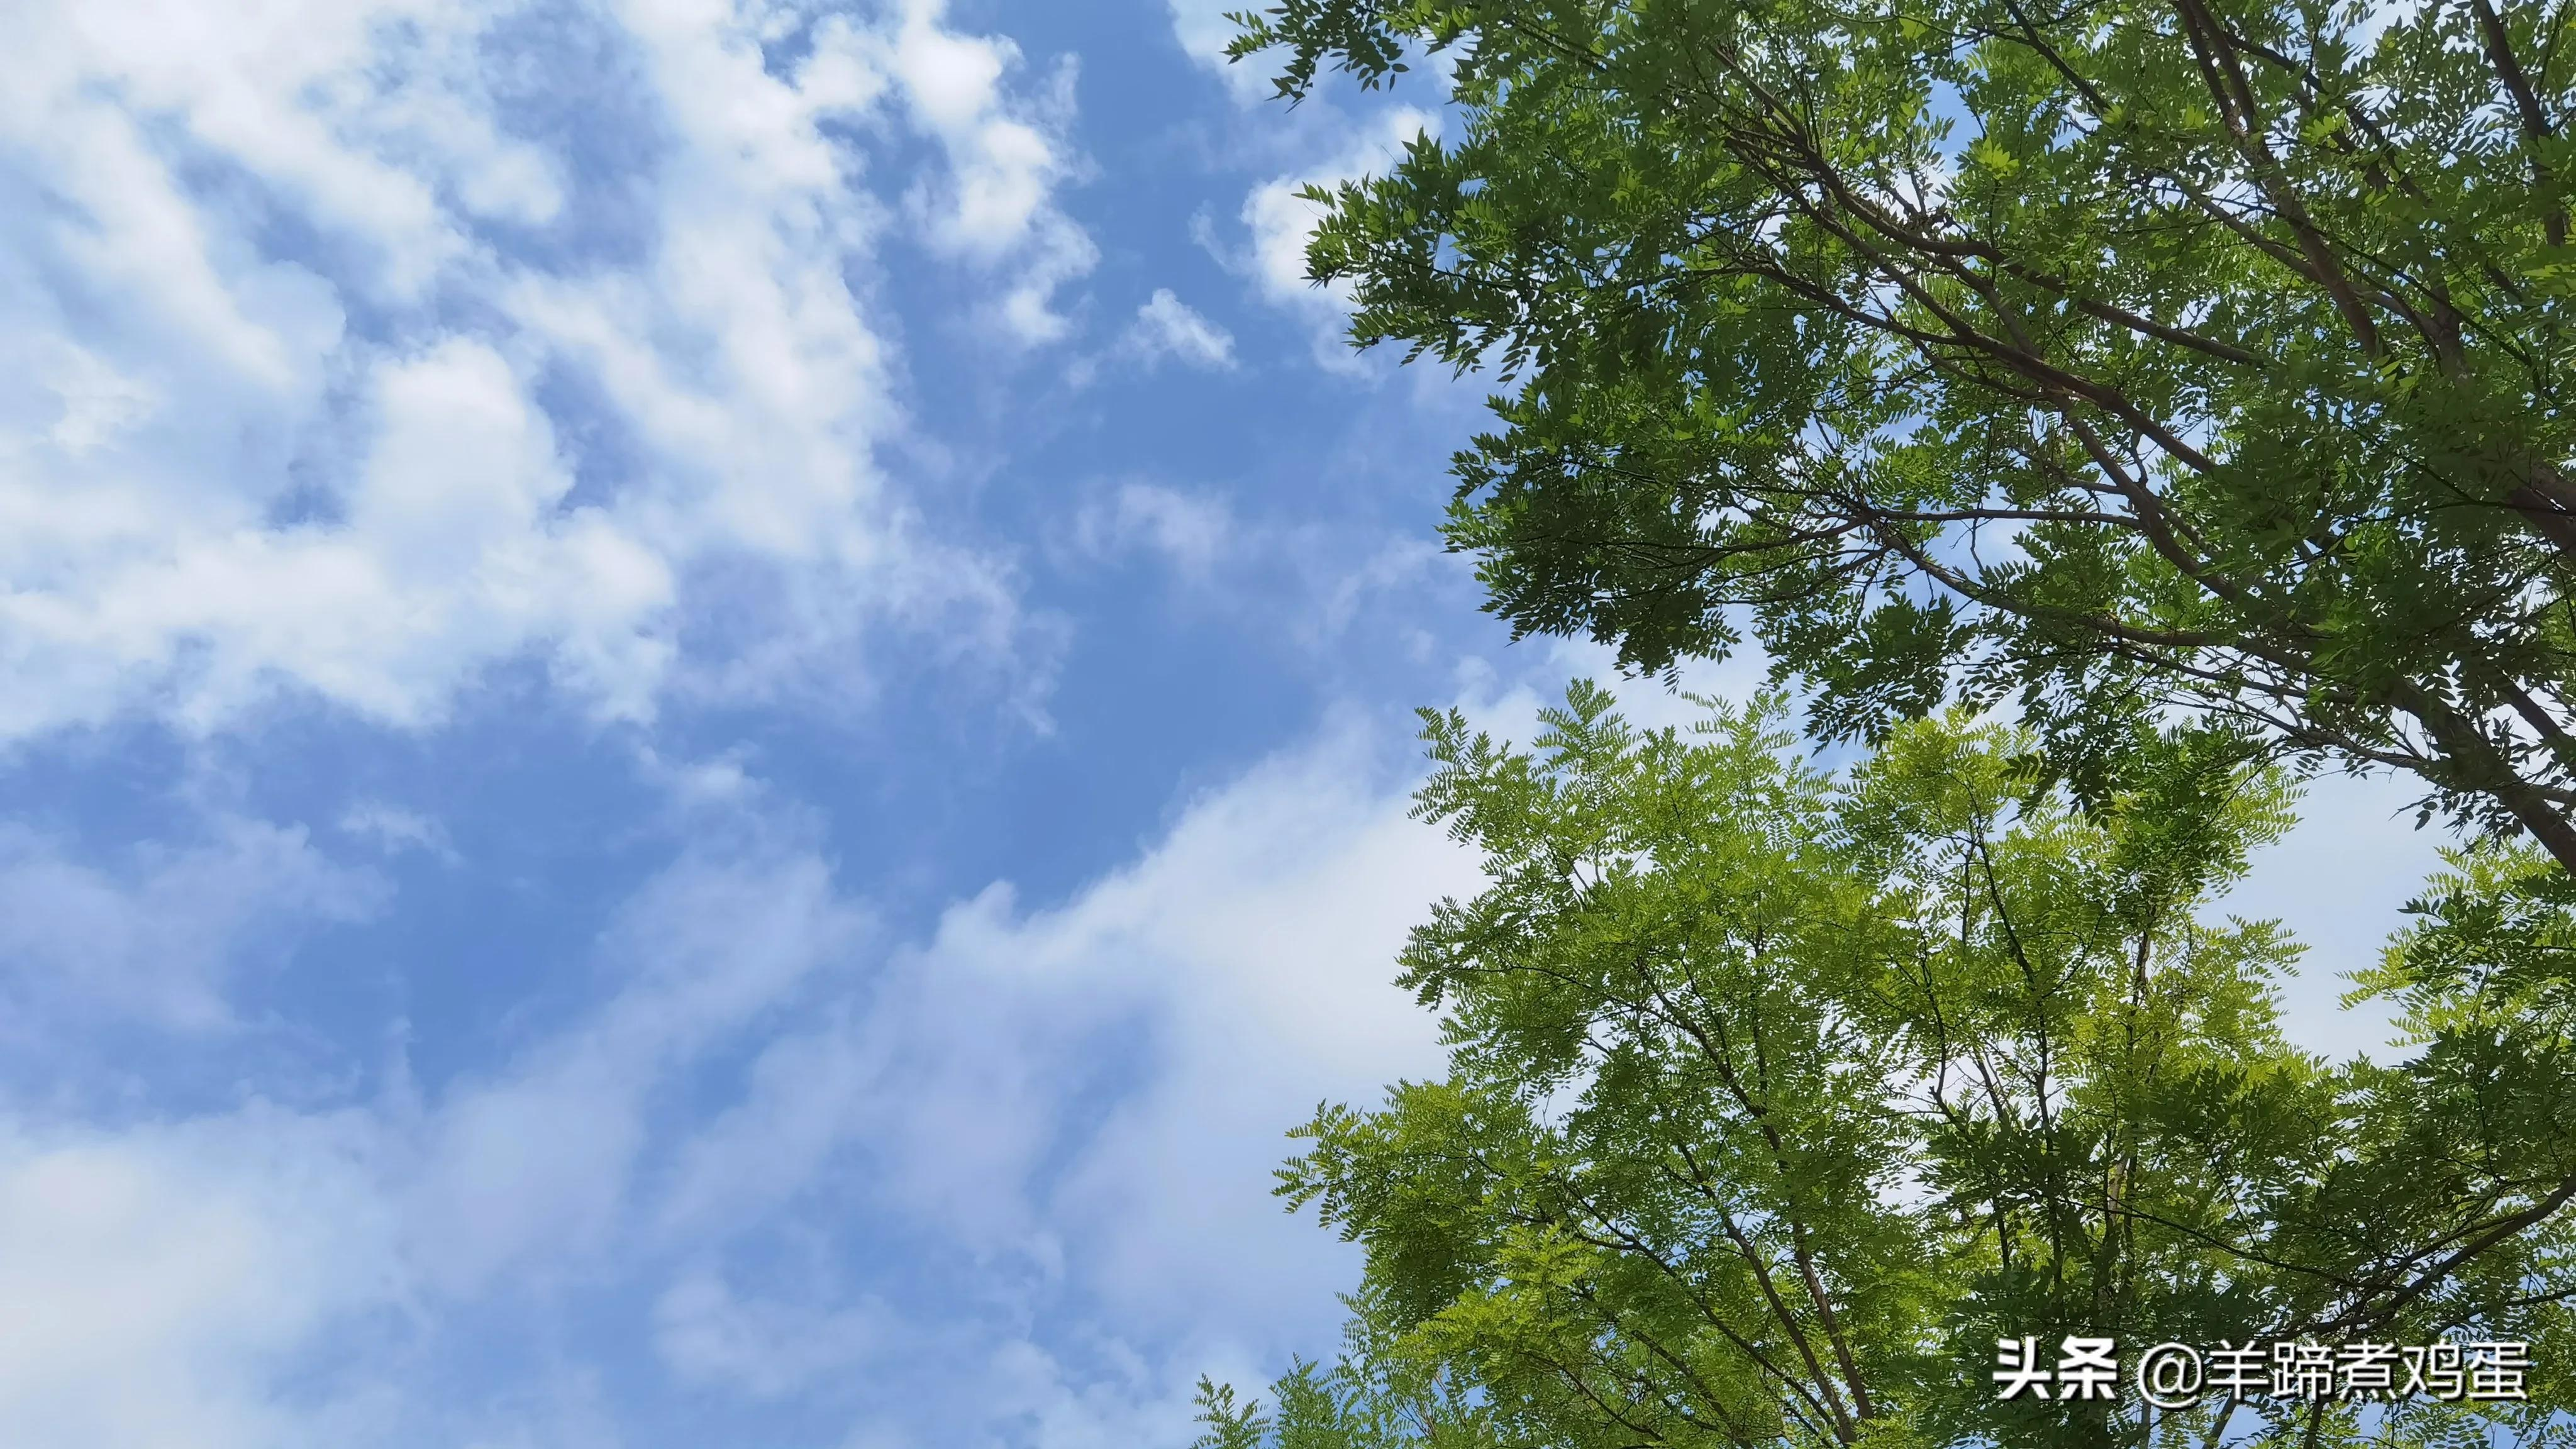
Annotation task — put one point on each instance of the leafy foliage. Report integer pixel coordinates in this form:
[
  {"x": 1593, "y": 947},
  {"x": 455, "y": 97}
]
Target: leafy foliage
[
  {"x": 2140, "y": 359},
  {"x": 1776, "y": 1099}
]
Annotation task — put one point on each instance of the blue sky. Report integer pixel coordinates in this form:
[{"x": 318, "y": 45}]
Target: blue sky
[{"x": 707, "y": 722}]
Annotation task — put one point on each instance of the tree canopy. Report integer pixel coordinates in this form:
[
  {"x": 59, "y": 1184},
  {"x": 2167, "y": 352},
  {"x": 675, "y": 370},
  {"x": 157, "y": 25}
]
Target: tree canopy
[
  {"x": 2140, "y": 362},
  {"x": 1776, "y": 1099}
]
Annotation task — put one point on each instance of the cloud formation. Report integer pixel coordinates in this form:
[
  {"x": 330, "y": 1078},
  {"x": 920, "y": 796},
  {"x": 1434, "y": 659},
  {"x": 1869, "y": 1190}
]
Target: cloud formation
[
  {"x": 339, "y": 363},
  {"x": 161, "y": 936},
  {"x": 1166, "y": 327},
  {"x": 186, "y": 1271},
  {"x": 1073, "y": 1108},
  {"x": 1280, "y": 221}
]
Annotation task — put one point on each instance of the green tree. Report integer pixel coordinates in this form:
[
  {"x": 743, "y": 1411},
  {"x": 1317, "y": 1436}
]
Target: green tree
[
  {"x": 2141, "y": 360},
  {"x": 1775, "y": 1100}
]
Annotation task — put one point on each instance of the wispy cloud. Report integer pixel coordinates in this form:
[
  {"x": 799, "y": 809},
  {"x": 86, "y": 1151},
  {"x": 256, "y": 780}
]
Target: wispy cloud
[
  {"x": 160, "y": 934},
  {"x": 1165, "y": 327},
  {"x": 1192, "y": 532},
  {"x": 1070, "y": 1107}
]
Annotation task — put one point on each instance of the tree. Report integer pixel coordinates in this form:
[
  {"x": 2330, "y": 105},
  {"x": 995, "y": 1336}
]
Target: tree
[
  {"x": 1776, "y": 1100},
  {"x": 2143, "y": 360}
]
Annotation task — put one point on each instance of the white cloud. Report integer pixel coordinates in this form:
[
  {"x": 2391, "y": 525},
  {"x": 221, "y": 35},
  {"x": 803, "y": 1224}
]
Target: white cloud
[
  {"x": 1204, "y": 33},
  {"x": 165, "y": 1280},
  {"x": 283, "y": 286},
  {"x": 1202, "y": 29},
  {"x": 451, "y": 552},
  {"x": 394, "y": 830},
  {"x": 1193, "y": 532},
  {"x": 1213, "y": 991},
  {"x": 1040, "y": 1139},
  {"x": 1309, "y": 584},
  {"x": 1279, "y": 223},
  {"x": 160, "y": 936},
  {"x": 1336, "y": 147},
  {"x": 766, "y": 1348},
  {"x": 262, "y": 1277},
  {"x": 1005, "y": 159},
  {"x": 1166, "y": 327},
  {"x": 535, "y": 1163},
  {"x": 267, "y": 1277},
  {"x": 1276, "y": 910}
]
